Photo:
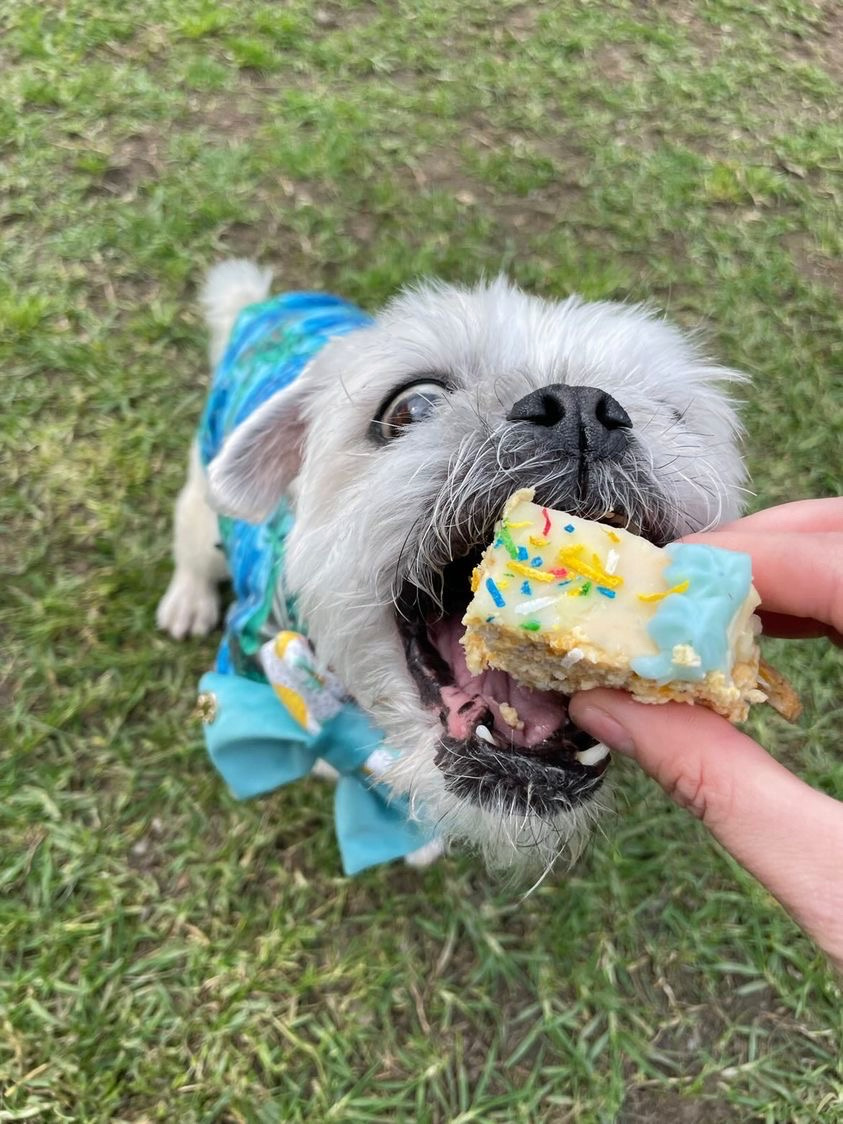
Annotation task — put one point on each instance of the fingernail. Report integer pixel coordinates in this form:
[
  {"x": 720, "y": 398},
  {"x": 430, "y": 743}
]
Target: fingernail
[{"x": 604, "y": 727}]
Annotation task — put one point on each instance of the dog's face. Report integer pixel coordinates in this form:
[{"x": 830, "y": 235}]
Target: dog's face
[{"x": 399, "y": 446}]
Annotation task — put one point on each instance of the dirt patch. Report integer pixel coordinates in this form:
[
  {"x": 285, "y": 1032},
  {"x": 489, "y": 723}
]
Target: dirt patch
[
  {"x": 831, "y": 49},
  {"x": 709, "y": 40},
  {"x": 656, "y": 1105},
  {"x": 332, "y": 17},
  {"x": 230, "y": 121},
  {"x": 275, "y": 239},
  {"x": 821, "y": 44},
  {"x": 540, "y": 211},
  {"x": 521, "y": 22},
  {"x": 615, "y": 63},
  {"x": 135, "y": 160},
  {"x": 233, "y": 115},
  {"x": 825, "y": 46},
  {"x": 815, "y": 267}
]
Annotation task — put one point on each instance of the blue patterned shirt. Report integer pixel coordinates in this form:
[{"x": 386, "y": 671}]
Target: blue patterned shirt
[{"x": 270, "y": 345}]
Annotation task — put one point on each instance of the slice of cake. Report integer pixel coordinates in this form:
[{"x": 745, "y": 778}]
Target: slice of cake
[{"x": 565, "y": 604}]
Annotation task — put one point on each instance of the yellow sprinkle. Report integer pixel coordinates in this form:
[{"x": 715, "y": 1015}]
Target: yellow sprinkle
[
  {"x": 612, "y": 535},
  {"x": 475, "y": 579},
  {"x": 530, "y": 572},
  {"x": 570, "y": 557},
  {"x": 538, "y": 541},
  {"x": 661, "y": 596},
  {"x": 503, "y": 583},
  {"x": 517, "y": 526}
]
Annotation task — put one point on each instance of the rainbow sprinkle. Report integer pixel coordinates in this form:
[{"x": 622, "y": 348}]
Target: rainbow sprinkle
[
  {"x": 523, "y": 554},
  {"x": 606, "y": 592},
  {"x": 530, "y": 572},
  {"x": 534, "y": 606},
  {"x": 546, "y": 528},
  {"x": 531, "y": 626},
  {"x": 495, "y": 593},
  {"x": 525, "y": 589},
  {"x": 538, "y": 541},
  {"x": 571, "y": 556},
  {"x": 537, "y": 561},
  {"x": 661, "y": 596},
  {"x": 506, "y": 541},
  {"x": 569, "y": 527},
  {"x": 522, "y": 523}
]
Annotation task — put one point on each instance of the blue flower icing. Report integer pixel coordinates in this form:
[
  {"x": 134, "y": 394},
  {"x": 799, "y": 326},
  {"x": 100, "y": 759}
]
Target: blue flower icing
[{"x": 718, "y": 584}]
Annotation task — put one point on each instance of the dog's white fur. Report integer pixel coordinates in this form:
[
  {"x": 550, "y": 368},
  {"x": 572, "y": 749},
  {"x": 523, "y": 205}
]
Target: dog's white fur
[
  {"x": 191, "y": 605},
  {"x": 369, "y": 517}
]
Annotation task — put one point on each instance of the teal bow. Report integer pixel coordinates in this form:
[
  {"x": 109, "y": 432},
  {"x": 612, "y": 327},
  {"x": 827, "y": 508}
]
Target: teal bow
[{"x": 257, "y": 746}]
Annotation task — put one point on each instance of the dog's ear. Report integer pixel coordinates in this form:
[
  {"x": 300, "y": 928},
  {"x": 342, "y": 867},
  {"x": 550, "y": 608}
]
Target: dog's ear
[{"x": 258, "y": 460}]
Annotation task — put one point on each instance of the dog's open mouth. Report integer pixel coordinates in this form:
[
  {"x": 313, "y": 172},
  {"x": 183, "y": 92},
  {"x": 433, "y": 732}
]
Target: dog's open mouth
[{"x": 501, "y": 742}]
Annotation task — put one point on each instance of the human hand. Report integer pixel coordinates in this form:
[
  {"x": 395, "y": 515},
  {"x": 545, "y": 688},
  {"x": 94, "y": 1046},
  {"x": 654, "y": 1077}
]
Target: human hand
[{"x": 788, "y": 835}]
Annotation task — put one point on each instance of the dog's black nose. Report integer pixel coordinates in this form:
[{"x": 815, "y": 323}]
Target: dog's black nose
[{"x": 581, "y": 421}]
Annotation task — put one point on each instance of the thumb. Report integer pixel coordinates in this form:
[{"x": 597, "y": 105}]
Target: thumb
[
  {"x": 697, "y": 757},
  {"x": 783, "y": 831}
]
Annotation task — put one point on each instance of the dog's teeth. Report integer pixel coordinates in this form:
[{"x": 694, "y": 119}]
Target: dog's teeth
[
  {"x": 485, "y": 733},
  {"x": 592, "y": 756}
]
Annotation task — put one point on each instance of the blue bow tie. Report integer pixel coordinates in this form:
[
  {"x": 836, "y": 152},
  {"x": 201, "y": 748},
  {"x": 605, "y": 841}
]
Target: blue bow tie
[{"x": 257, "y": 745}]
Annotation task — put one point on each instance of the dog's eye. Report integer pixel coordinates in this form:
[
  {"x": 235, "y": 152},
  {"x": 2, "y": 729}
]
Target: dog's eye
[{"x": 411, "y": 404}]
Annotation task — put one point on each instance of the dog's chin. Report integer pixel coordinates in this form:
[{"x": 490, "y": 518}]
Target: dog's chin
[{"x": 503, "y": 748}]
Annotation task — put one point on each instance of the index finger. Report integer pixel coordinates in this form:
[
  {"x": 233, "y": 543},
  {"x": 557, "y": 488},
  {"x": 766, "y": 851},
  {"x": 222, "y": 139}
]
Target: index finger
[
  {"x": 800, "y": 575},
  {"x": 801, "y": 515}
]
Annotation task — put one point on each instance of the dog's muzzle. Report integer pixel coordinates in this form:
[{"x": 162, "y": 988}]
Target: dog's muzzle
[{"x": 502, "y": 745}]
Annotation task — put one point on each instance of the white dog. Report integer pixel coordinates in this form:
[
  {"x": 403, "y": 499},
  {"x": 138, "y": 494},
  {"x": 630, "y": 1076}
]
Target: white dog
[{"x": 396, "y": 448}]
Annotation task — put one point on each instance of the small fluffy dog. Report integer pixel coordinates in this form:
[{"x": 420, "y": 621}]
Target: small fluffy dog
[{"x": 396, "y": 448}]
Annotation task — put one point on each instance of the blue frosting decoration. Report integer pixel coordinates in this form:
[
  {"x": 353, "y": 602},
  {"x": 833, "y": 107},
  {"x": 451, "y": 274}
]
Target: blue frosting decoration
[{"x": 718, "y": 584}]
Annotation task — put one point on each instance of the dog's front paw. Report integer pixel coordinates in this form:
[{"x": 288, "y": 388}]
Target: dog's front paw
[{"x": 190, "y": 607}]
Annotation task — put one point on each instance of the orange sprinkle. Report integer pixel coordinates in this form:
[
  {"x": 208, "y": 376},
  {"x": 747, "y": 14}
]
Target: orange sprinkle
[
  {"x": 530, "y": 572},
  {"x": 661, "y": 596}
]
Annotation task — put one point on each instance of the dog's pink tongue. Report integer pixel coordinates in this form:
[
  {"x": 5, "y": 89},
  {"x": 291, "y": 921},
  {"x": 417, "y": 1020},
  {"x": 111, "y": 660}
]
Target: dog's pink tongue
[{"x": 541, "y": 712}]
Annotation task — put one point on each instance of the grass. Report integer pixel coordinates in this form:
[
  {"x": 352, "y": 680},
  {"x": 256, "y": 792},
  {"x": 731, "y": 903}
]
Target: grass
[{"x": 168, "y": 954}]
